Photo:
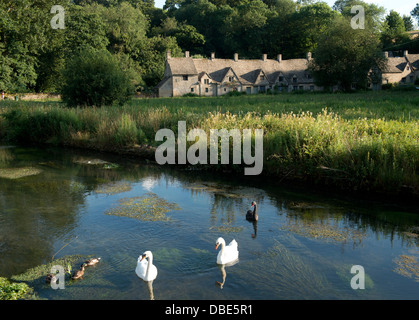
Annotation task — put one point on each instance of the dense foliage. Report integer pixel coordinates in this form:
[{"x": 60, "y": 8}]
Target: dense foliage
[
  {"x": 95, "y": 78},
  {"x": 33, "y": 54}
]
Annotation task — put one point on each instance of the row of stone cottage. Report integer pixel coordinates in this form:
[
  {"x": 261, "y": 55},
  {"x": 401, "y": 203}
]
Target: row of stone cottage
[{"x": 215, "y": 77}]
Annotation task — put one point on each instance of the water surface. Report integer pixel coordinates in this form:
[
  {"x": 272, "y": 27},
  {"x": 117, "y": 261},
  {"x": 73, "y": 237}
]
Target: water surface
[{"x": 302, "y": 247}]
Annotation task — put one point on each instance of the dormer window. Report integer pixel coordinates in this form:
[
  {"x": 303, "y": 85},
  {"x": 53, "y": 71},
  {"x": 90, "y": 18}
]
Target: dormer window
[
  {"x": 230, "y": 79},
  {"x": 280, "y": 79},
  {"x": 294, "y": 79},
  {"x": 262, "y": 78}
]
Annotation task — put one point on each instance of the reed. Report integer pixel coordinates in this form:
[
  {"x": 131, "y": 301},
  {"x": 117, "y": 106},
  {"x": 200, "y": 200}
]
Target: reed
[{"x": 365, "y": 141}]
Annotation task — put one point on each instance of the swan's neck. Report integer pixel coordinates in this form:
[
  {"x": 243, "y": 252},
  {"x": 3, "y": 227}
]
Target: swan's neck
[
  {"x": 150, "y": 262},
  {"x": 254, "y": 210},
  {"x": 222, "y": 247}
]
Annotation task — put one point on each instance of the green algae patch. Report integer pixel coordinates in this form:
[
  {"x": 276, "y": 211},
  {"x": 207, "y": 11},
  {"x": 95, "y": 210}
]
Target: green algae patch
[
  {"x": 17, "y": 173},
  {"x": 10, "y": 290},
  {"x": 407, "y": 266},
  {"x": 38, "y": 273},
  {"x": 113, "y": 187},
  {"x": 148, "y": 207},
  {"x": 326, "y": 232}
]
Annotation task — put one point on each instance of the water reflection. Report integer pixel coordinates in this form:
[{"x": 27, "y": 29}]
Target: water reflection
[
  {"x": 223, "y": 272},
  {"x": 149, "y": 285}
]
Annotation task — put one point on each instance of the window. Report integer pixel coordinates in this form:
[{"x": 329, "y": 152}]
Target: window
[
  {"x": 262, "y": 78},
  {"x": 185, "y": 77},
  {"x": 295, "y": 88},
  {"x": 191, "y": 89},
  {"x": 225, "y": 89},
  {"x": 412, "y": 78},
  {"x": 281, "y": 79},
  {"x": 248, "y": 90},
  {"x": 294, "y": 79},
  {"x": 206, "y": 81},
  {"x": 311, "y": 88},
  {"x": 206, "y": 89},
  {"x": 230, "y": 79},
  {"x": 404, "y": 80},
  {"x": 301, "y": 88},
  {"x": 262, "y": 89}
]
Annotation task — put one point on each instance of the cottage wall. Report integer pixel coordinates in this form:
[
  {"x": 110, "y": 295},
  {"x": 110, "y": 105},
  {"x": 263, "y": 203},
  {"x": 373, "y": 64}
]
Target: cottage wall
[{"x": 182, "y": 86}]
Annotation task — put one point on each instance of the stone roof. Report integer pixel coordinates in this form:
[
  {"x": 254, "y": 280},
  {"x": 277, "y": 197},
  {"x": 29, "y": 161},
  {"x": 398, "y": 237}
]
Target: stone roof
[
  {"x": 396, "y": 64},
  {"x": 245, "y": 69},
  {"x": 182, "y": 66},
  {"x": 413, "y": 60}
]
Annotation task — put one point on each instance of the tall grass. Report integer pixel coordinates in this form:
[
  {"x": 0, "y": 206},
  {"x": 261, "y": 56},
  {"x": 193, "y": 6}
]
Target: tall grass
[{"x": 367, "y": 141}]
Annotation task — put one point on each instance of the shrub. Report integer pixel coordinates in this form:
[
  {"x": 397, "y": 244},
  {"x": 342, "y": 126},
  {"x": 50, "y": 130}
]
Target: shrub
[{"x": 95, "y": 77}]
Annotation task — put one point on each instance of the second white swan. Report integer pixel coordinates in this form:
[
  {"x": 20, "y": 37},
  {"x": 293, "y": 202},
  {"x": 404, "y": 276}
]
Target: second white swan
[
  {"x": 146, "y": 270},
  {"x": 228, "y": 253}
]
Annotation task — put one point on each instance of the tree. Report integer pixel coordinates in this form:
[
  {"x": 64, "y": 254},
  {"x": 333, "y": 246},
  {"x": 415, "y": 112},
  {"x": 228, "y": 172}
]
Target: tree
[
  {"x": 305, "y": 25},
  {"x": 415, "y": 12},
  {"x": 24, "y": 33},
  {"x": 83, "y": 28},
  {"x": 373, "y": 13},
  {"x": 408, "y": 23},
  {"x": 394, "y": 31},
  {"x": 95, "y": 78},
  {"x": 345, "y": 56}
]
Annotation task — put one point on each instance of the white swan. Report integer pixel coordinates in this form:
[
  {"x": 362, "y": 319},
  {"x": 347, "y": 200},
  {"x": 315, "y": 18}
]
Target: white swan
[
  {"x": 228, "y": 253},
  {"x": 146, "y": 270}
]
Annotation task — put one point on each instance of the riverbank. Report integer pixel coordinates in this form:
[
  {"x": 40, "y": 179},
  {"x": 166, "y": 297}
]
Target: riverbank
[{"x": 363, "y": 143}]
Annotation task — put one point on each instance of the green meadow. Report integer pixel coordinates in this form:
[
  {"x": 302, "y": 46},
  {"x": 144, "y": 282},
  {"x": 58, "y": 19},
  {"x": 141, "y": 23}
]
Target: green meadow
[{"x": 365, "y": 141}]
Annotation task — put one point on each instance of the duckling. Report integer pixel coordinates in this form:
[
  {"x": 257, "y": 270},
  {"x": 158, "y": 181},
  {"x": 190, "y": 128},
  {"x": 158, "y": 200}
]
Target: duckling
[
  {"x": 50, "y": 278},
  {"x": 92, "y": 261},
  {"x": 79, "y": 274}
]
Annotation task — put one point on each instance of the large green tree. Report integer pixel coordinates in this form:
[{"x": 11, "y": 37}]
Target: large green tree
[
  {"x": 394, "y": 32},
  {"x": 345, "y": 57}
]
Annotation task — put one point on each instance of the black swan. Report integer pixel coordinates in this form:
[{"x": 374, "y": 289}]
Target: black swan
[{"x": 252, "y": 215}]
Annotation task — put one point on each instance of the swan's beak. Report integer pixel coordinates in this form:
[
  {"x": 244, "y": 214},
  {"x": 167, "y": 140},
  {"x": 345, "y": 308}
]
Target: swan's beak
[
  {"x": 142, "y": 257},
  {"x": 251, "y": 204},
  {"x": 216, "y": 246}
]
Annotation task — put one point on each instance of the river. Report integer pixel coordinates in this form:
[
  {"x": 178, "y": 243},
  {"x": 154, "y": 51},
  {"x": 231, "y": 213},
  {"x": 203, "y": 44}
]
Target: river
[{"x": 62, "y": 202}]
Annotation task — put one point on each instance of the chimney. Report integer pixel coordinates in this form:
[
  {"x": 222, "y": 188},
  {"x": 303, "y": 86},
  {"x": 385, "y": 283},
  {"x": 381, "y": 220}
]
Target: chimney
[
  {"x": 236, "y": 57},
  {"x": 405, "y": 53},
  {"x": 212, "y": 55},
  {"x": 308, "y": 55},
  {"x": 385, "y": 54},
  {"x": 168, "y": 55},
  {"x": 264, "y": 57},
  {"x": 186, "y": 54},
  {"x": 279, "y": 57}
]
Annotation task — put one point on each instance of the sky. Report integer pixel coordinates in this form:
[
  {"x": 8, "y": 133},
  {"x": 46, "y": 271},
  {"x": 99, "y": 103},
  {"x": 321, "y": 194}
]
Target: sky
[{"x": 403, "y": 7}]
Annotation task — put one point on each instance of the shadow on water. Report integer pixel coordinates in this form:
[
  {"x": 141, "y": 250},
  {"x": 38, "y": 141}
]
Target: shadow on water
[{"x": 302, "y": 247}]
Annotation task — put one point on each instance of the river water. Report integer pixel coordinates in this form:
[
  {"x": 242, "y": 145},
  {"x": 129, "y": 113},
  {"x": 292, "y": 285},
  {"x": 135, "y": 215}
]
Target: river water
[{"x": 58, "y": 202}]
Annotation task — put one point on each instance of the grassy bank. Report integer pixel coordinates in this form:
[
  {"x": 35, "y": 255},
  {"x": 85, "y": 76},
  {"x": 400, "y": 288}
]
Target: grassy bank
[{"x": 364, "y": 141}]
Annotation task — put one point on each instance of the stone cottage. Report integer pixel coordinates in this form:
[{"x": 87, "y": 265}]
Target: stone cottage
[
  {"x": 215, "y": 77},
  {"x": 401, "y": 70}
]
